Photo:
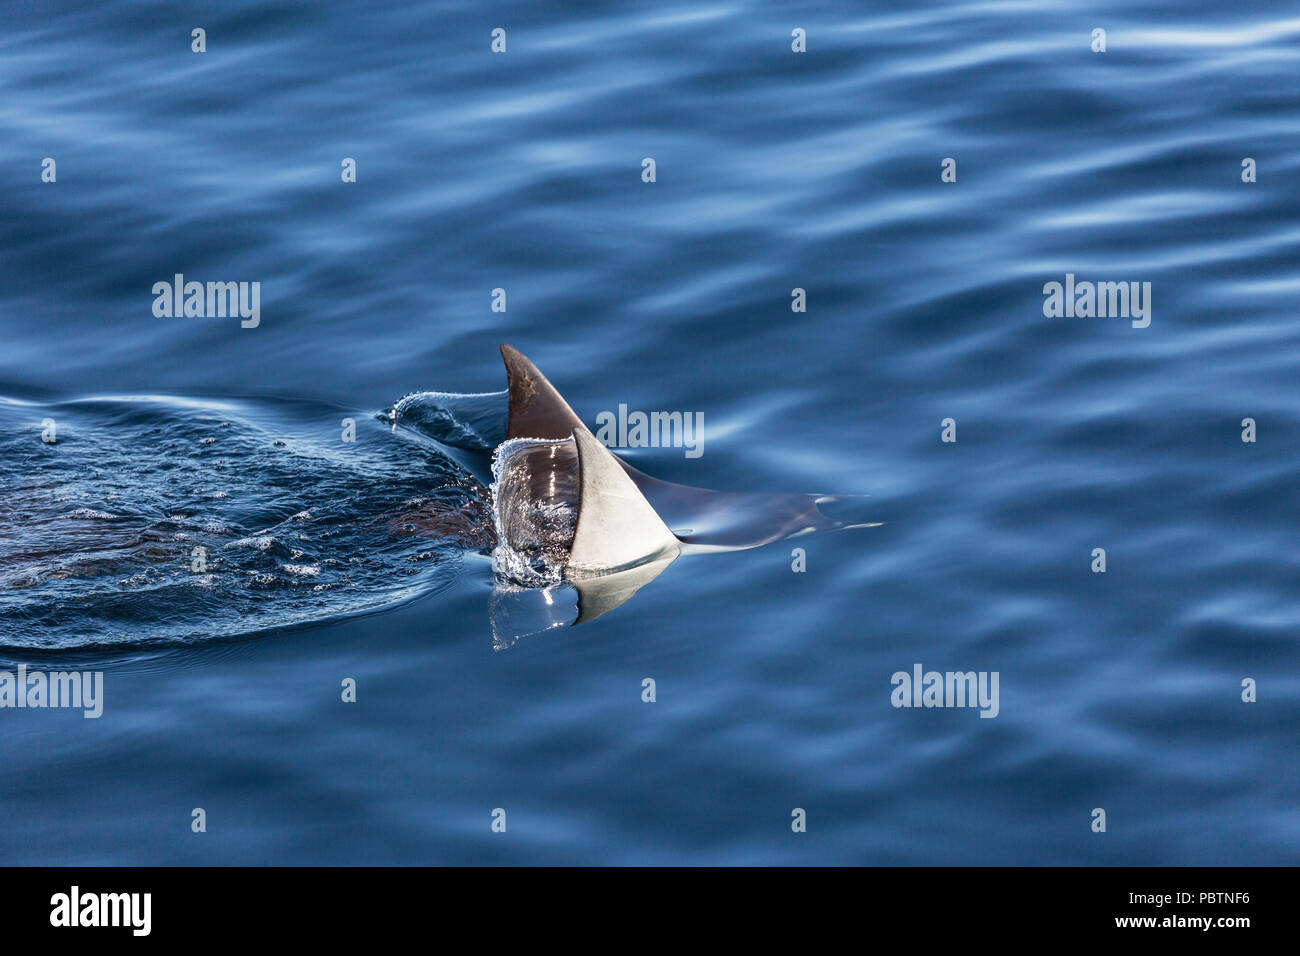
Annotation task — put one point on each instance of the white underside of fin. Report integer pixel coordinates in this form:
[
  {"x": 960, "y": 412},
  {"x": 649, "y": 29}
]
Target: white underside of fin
[{"x": 616, "y": 526}]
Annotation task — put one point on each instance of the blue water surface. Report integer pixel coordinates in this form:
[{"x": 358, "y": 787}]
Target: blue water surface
[{"x": 774, "y": 171}]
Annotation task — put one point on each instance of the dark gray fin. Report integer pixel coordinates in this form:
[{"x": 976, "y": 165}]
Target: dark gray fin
[{"x": 536, "y": 409}]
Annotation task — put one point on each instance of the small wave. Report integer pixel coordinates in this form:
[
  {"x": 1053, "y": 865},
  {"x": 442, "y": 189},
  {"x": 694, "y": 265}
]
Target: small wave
[
  {"x": 260, "y": 542},
  {"x": 305, "y": 531},
  {"x": 473, "y": 422},
  {"x": 90, "y": 514}
]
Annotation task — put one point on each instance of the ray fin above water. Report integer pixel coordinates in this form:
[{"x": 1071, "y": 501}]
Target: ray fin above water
[{"x": 702, "y": 519}]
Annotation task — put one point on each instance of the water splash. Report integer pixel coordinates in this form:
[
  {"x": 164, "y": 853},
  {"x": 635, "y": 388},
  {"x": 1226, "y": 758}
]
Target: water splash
[{"x": 535, "y": 493}]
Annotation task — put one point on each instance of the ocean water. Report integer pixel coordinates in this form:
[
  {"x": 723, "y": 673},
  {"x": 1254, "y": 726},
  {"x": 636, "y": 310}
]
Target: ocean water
[{"x": 371, "y": 560}]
